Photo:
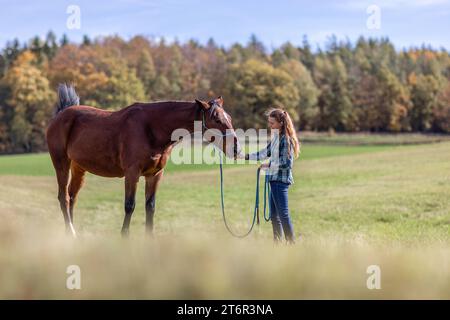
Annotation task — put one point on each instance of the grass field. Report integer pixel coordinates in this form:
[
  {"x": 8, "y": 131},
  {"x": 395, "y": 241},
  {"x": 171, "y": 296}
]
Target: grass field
[{"x": 355, "y": 206}]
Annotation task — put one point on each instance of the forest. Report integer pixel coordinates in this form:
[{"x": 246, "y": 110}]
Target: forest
[{"x": 362, "y": 86}]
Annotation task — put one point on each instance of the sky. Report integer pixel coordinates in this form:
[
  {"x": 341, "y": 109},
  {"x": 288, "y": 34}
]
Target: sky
[{"x": 406, "y": 23}]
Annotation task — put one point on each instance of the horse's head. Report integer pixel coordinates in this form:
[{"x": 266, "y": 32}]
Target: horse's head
[{"x": 215, "y": 117}]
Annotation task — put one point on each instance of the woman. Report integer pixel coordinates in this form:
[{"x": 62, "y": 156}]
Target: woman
[{"x": 282, "y": 150}]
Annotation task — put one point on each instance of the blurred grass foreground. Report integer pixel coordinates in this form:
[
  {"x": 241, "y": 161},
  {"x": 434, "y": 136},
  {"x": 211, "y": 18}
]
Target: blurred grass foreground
[{"x": 356, "y": 206}]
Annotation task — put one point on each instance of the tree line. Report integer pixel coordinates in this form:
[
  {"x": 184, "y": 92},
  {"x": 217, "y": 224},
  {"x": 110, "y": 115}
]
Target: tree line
[{"x": 347, "y": 87}]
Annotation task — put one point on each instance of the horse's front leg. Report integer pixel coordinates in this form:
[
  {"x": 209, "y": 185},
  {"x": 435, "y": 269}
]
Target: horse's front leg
[
  {"x": 151, "y": 185},
  {"x": 131, "y": 181}
]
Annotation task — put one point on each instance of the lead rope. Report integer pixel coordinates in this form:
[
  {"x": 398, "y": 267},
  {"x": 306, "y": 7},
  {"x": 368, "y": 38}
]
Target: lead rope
[
  {"x": 266, "y": 192},
  {"x": 256, "y": 210}
]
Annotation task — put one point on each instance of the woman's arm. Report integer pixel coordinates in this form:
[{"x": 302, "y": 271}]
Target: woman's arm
[{"x": 260, "y": 155}]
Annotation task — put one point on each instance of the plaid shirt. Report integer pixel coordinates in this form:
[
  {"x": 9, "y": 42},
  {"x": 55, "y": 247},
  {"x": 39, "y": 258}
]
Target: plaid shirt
[{"x": 280, "y": 165}]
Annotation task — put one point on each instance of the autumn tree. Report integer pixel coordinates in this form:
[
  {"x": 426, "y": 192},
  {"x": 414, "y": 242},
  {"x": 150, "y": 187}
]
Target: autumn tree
[
  {"x": 425, "y": 90},
  {"x": 29, "y": 103},
  {"x": 307, "y": 108},
  {"x": 393, "y": 103},
  {"x": 441, "y": 111},
  {"x": 102, "y": 79},
  {"x": 335, "y": 107},
  {"x": 145, "y": 71},
  {"x": 254, "y": 87}
]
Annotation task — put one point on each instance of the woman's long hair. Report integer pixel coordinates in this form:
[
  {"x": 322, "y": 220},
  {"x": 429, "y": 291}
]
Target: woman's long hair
[{"x": 287, "y": 127}]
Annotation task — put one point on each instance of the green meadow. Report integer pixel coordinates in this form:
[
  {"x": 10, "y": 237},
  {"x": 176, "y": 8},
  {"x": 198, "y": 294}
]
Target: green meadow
[{"x": 355, "y": 205}]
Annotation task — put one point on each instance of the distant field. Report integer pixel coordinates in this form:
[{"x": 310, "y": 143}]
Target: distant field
[
  {"x": 314, "y": 146},
  {"x": 355, "y": 206},
  {"x": 41, "y": 165},
  {"x": 385, "y": 139}
]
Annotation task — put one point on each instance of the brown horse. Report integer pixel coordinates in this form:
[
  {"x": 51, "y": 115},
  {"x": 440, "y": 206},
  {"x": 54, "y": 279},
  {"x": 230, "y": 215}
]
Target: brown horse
[{"x": 132, "y": 142}]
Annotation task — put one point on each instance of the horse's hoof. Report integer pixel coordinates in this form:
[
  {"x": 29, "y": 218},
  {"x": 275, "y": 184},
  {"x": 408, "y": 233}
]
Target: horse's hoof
[
  {"x": 70, "y": 231},
  {"x": 71, "y": 234},
  {"x": 149, "y": 232}
]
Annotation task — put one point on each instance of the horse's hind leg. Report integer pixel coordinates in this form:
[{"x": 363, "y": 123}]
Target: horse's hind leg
[
  {"x": 76, "y": 182},
  {"x": 131, "y": 181},
  {"x": 62, "y": 167},
  {"x": 151, "y": 185}
]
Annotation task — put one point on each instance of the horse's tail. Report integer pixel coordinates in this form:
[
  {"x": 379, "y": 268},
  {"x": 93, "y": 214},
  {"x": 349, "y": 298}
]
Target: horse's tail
[{"x": 66, "y": 97}]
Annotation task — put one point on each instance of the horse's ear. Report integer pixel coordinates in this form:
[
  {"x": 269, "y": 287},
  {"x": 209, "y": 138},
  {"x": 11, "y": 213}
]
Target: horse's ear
[
  {"x": 202, "y": 104},
  {"x": 220, "y": 101}
]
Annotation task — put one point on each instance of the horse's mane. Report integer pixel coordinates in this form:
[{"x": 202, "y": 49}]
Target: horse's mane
[{"x": 175, "y": 103}]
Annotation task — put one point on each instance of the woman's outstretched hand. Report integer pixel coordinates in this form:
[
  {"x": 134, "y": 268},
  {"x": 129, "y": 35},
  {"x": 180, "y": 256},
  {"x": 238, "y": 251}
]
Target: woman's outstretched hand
[
  {"x": 264, "y": 166},
  {"x": 241, "y": 156}
]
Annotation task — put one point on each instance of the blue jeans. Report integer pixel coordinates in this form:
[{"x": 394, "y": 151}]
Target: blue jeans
[{"x": 279, "y": 210}]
